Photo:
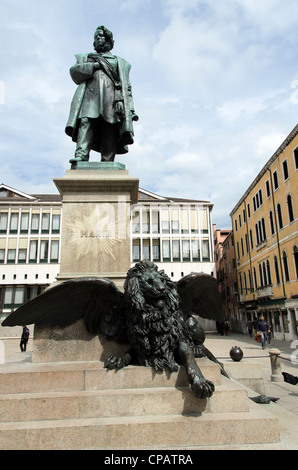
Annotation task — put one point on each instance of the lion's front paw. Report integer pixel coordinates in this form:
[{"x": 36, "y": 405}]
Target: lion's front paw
[
  {"x": 114, "y": 362},
  {"x": 202, "y": 388}
]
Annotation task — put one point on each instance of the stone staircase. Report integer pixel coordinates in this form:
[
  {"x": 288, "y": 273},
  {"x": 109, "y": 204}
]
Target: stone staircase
[{"x": 81, "y": 405}]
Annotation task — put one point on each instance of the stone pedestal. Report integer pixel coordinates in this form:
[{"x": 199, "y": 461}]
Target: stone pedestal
[{"x": 95, "y": 241}]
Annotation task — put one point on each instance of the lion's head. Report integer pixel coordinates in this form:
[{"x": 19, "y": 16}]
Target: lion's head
[{"x": 146, "y": 285}]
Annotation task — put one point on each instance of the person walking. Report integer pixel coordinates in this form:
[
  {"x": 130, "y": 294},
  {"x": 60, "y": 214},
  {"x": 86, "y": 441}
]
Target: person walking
[
  {"x": 24, "y": 338},
  {"x": 263, "y": 328}
]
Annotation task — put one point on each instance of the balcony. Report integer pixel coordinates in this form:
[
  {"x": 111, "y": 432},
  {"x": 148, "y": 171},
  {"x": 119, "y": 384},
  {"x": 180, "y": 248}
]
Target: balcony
[{"x": 265, "y": 292}]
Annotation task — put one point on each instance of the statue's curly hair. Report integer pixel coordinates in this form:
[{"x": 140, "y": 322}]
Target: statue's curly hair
[{"x": 109, "y": 37}]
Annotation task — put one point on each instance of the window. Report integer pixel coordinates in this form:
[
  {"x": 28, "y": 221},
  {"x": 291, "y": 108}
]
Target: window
[
  {"x": 290, "y": 208},
  {"x": 285, "y": 265},
  {"x": 203, "y": 221},
  {"x": 166, "y": 250},
  {"x": 136, "y": 250},
  {"x": 24, "y": 222},
  {"x": 45, "y": 222},
  {"x": 285, "y": 169},
  {"x": 279, "y": 216},
  {"x": 55, "y": 223},
  {"x": 136, "y": 222},
  {"x": 2, "y": 255},
  {"x": 22, "y": 255},
  {"x": 34, "y": 223},
  {"x": 155, "y": 222},
  {"x": 268, "y": 272},
  {"x": 251, "y": 239},
  {"x": 175, "y": 221},
  {"x": 165, "y": 221},
  {"x": 146, "y": 249},
  {"x": 257, "y": 200},
  {"x": 205, "y": 250},
  {"x": 54, "y": 255},
  {"x": 275, "y": 180},
  {"x": 11, "y": 256},
  {"x": 145, "y": 223},
  {"x": 276, "y": 270},
  {"x": 14, "y": 220},
  {"x": 176, "y": 250},
  {"x": 44, "y": 250},
  {"x": 248, "y": 210},
  {"x": 33, "y": 251},
  {"x": 194, "y": 227},
  {"x": 3, "y": 222},
  {"x": 268, "y": 192},
  {"x": 155, "y": 250},
  {"x": 264, "y": 235},
  {"x": 186, "y": 250},
  {"x": 195, "y": 248},
  {"x": 296, "y": 158},
  {"x": 271, "y": 223},
  {"x": 184, "y": 221}
]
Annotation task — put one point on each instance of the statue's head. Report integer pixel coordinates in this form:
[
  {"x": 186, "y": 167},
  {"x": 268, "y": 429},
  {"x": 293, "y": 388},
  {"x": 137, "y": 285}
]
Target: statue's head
[{"x": 103, "y": 39}]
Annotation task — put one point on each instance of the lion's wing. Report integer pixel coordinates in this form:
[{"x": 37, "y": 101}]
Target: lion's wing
[
  {"x": 199, "y": 295},
  {"x": 65, "y": 303}
]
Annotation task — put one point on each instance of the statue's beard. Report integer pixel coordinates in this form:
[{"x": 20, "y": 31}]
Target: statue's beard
[{"x": 99, "y": 47}]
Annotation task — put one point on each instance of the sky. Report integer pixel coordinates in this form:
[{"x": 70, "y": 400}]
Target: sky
[{"x": 215, "y": 86}]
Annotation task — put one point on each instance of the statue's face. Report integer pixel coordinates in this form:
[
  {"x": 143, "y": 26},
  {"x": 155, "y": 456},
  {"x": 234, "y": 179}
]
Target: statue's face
[{"x": 99, "y": 41}]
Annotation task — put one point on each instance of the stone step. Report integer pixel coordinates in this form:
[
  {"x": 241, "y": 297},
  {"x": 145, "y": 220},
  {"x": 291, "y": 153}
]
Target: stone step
[
  {"x": 121, "y": 402},
  {"x": 150, "y": 432},
  {"x": 50, "y": 377}
]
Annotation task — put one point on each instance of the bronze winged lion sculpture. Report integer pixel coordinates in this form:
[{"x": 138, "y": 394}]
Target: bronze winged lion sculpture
[{"x": 153, "y": 315}]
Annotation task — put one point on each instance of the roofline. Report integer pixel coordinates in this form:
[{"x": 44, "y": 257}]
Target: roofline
[
  {"x": 276, "y": 154},
  {"x": 17, "y": 191}
]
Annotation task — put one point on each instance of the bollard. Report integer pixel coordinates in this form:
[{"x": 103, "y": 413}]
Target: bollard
[{"x": 276, "y": 375}]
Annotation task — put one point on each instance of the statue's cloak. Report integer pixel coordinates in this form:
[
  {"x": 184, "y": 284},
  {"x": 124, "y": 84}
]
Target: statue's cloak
[{"x": 125, "y": 127}]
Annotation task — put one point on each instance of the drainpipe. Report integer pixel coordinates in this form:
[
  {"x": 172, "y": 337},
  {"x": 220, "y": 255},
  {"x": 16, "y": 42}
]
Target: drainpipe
[{"x": 277, "y": 234}]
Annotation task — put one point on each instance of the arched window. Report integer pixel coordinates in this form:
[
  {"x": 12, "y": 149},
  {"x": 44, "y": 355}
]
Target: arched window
[
  {"x": 257, "y": 234},
  {"x": 279, "y": 216},
  {"x": 264, "y": 237},
  {"x": 255, "y": 278},
  {"x": 286, "y": 267},
  {"x": 276, "y": 270},
  {"x": 264, "y": 274},
  {"x": 251, "y": 239},
  {"x": 269, "y": 272},
  {"x": 271, "y": 223},
  {"x": 290, "y": 208},
  {"x": 261, "y": 275}
]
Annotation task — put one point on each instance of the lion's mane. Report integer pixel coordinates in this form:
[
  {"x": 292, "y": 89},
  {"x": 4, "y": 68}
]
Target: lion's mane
[{"x": 154, "y": 327}]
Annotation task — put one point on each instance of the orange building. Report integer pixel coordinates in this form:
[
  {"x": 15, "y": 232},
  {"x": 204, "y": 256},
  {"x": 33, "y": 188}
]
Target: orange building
[{"x": 265, "y": 227}]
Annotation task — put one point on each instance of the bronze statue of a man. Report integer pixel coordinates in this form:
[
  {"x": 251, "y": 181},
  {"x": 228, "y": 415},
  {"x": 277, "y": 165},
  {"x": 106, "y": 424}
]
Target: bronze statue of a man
[{"x": 102, "y": 111}]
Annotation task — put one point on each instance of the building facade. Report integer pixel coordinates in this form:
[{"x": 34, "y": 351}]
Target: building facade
[
  {"x": 176, "y": 234},
  {"x": 226, "y": 274},
  {"x": 265, "y": 227}
]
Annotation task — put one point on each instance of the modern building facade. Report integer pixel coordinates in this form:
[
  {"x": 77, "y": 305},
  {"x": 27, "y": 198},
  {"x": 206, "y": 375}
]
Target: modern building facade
[
  {"x": 265, "y": 231},
  {"x": 176, "y": 234}
]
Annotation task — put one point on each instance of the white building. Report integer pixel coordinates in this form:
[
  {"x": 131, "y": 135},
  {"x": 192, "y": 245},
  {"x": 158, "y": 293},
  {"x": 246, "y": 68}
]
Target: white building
[{"x": 174, "y": 233}]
